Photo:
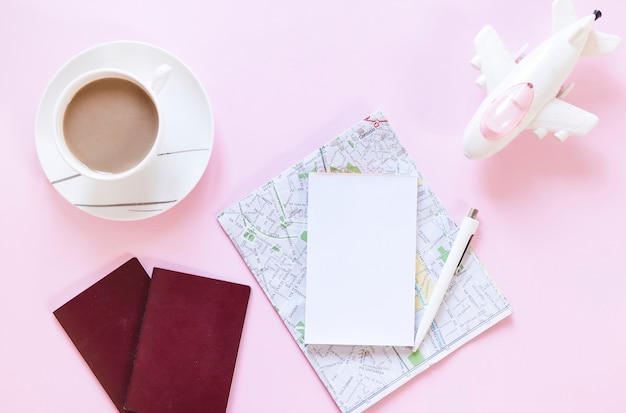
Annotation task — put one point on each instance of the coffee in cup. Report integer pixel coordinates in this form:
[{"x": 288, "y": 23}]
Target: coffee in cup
[{"x": 108, "y": 122}]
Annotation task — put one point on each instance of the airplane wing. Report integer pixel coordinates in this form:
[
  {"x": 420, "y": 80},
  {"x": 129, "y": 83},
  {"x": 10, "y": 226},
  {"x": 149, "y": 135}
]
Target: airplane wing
[
  {"x": 562, "y": 119},
  {"x": 563, "y": 14},
  {"x": 492, "y": 58}
]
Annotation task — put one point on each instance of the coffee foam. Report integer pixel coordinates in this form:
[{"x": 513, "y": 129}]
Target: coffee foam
[{"x": 110, "y": 124}]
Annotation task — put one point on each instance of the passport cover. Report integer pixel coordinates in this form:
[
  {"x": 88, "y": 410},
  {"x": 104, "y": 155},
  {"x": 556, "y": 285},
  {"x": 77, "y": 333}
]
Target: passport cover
[
  {"x": 188, "y": 344},
  {"x": 104, "y": 322}
]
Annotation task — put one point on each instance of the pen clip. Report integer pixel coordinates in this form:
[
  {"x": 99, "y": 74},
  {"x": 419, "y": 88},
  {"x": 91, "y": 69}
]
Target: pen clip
[
  {"x": 459, "y": 267},
  {"x": 473, "y": 212}
]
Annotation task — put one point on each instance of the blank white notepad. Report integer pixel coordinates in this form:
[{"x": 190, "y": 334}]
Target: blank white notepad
[{"x": 361, "y": 249}]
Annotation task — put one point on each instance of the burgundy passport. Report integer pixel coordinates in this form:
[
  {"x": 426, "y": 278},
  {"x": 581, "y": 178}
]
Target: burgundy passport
[
  {"x": 188, "y": 344},
  {"x": 104, "y": 321}
]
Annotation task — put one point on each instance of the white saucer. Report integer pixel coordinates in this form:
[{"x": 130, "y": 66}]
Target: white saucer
[{"x": 184, "y": 155}]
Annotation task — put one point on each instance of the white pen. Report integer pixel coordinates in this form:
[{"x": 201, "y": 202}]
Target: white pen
[{"x": 459, "y": 246}]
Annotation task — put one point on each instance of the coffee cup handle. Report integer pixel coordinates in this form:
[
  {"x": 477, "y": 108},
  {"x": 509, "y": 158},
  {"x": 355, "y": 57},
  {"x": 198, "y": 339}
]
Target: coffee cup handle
[{"x": 159, "y": 78}]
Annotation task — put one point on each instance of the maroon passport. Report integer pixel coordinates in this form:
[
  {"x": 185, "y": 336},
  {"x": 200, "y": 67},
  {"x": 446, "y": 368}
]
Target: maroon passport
[
  {"x": 104, "y": 321},
  {"x": 188, "y": 345}
]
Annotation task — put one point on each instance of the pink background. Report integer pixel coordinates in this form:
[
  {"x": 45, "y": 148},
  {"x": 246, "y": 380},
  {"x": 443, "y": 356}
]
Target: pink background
[{"x": 284, "y": 77}]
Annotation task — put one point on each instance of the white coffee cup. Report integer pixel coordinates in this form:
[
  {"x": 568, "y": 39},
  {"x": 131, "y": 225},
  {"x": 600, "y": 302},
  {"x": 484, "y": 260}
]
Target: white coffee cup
[{"x": 108, "y": 122}]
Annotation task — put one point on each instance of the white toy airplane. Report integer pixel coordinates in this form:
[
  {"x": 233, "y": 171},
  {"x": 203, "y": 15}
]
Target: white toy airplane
[{"x": 526, "y": 92}]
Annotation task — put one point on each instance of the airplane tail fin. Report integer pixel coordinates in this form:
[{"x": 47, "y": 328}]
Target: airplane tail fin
[
  {"x": 600, "y": 44},
  {"x": 563, "y": 14}
]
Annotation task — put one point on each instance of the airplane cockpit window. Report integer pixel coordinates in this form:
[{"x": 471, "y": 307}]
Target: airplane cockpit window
[{"x": 507, "y": 111}]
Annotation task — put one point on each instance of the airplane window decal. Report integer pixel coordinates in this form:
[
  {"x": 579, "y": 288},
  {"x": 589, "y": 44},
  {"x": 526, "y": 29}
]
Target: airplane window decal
[{"x": 507, "y": 111}]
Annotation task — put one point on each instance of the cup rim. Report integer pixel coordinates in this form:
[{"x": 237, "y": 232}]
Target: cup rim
[{"x": 65, "y": 98}]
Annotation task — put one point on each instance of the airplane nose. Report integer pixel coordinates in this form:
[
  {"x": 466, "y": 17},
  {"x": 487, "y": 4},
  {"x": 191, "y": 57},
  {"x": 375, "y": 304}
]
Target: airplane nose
[
  {"x": 598, "y": 14},
  {"x": 470, "y": 155},
  {"x": 470, "y": 149}
]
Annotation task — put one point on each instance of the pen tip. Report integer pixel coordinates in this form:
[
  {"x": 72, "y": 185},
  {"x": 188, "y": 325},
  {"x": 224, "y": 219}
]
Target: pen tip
[{"x": 472, "y": 213}]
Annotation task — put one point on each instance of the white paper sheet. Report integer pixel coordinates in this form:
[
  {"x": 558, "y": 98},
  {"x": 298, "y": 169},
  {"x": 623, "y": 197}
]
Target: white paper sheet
[{"x": 360, "y": 281}]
